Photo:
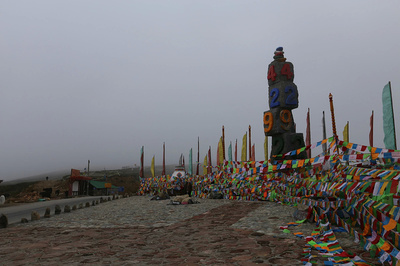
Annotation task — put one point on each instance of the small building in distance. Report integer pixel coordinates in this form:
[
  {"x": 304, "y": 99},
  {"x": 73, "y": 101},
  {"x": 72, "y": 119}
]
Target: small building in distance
[
  {"x": 78, "y": 184},
  {"x": 100, "y": 188}
]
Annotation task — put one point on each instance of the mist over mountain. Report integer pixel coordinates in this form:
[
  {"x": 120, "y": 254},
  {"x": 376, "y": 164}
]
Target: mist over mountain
[{"x": 57, "y": 175}]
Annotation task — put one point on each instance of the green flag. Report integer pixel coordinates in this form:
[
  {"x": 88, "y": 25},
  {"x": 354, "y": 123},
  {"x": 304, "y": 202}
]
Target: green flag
[
  {"x": 190, "y": 163},
  {"x": 388, "y": 118}
]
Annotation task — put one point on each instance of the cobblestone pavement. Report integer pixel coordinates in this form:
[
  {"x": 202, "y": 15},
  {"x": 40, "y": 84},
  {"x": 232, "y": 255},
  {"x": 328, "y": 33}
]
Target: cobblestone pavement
[{"x": 137, "y": 231}]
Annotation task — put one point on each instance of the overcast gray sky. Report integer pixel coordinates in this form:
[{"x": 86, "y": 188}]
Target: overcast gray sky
[{"x": 98, "y": 79}]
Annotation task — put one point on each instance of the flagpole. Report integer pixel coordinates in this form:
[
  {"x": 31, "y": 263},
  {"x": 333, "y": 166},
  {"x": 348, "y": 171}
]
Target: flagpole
[
  {"x": 141, "y": 172},
  {"x": 371, "y": 131},
  {"x": 209, "y": 160},
  {"x": 333, "y": 121},
  {"x": 250, "y": 143},
  {"x": 308, "y": 134},
  {"x": 223, "y": 142},
  {"x": 163, "y": 162},
  {"x": 332, "y": 115},
  {"x": 324, "y": 146},
  {"x": 198, "y": 155},
  {"x": 236, "y": 151},
  {"x": 394, "y": 126}
]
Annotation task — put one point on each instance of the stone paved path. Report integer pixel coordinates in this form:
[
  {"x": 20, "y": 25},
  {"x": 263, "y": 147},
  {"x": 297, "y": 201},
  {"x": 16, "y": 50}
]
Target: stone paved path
[{"x": 225, "y": 234}]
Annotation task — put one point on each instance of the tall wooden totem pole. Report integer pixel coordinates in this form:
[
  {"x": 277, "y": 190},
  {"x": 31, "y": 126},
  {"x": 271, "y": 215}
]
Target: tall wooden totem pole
[{"x": 283, "y": 97}]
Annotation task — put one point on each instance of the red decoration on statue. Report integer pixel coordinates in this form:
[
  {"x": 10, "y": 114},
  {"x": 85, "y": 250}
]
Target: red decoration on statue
[
  {"x": 271, "y": 73},
  {"x": 286, "y": 71}
]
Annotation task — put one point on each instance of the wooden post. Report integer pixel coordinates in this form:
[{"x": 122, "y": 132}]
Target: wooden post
[
  {"x": 333, "y": 121},
  {"x": 198, "y": 155},
  {"x": 223, "y": 142},
  {"x": 250, "y": 143},
  {"x": 332, "y": 115}
]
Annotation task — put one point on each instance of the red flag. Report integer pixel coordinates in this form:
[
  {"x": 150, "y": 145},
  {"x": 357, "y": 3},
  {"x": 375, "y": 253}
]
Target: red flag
[
  {"x": 253, "y": 152},
  {"x": 308, "y": 134},
  {"x": 371, "y": 131}
]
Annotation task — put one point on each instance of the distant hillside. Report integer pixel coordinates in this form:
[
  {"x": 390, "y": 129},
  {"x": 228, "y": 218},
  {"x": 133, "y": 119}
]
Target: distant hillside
[
  {"x": 97, "y": 174},
  {"x": 56, "y": 175}
]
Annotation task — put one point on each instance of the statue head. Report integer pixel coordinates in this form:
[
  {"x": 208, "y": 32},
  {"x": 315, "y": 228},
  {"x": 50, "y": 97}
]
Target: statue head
[{"x": 278, "y": 54}]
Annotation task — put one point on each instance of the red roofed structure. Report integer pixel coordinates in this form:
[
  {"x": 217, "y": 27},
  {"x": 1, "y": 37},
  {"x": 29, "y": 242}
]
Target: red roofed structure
[{"x": 78, "y": 184}]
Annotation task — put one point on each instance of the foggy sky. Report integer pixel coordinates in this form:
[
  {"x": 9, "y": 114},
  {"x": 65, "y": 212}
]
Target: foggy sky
[{"x": 96, "y": 80}]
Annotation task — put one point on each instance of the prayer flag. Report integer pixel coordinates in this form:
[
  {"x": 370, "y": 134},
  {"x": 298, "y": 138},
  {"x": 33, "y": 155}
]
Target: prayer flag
[
  {"x": 205, "y": 165},
  {"x": 230, "y": 151},
  {"x": 388, "y": 118},
  {"x": 221, "y": 151},
  {"x": 152, "y": 167},
  {"x": 266, "y": 148},
  {"x": 190, "y": 163},
  {"x": 346, "y": 132},
  {"x": 244, "y": 148}
]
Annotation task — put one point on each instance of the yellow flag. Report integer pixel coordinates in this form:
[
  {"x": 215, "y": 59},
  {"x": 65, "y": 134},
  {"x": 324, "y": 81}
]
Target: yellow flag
[
  {"x": 266, "y": 148},
  {"x": 346, "y": 132},
  {"x": 244, "y": 148},
  {"x": 205, "y": 166},
  {"x": 152, "y": 167},
  {"x": 221, "y": 152}
]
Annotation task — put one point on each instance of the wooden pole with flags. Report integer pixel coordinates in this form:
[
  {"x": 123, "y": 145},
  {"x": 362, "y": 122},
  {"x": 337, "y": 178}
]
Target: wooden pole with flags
[
  {"x": 141, "y": 172},
  {"x": 324, "y": 146},
  {"x": 308, "y": 134},
  {"x": 223, "y": 142},
  {"x": 209, "y": 161},
  {"x": 163, "y": 161},
  {"x": 332, "y": 115},
  {"x": 249, "y": 143},
  {"x": 198, "y": 155},
  {"x": 236, "y": 151},
  {"x": 333, "y": 121},
  {"x": 371, "y": 131}
]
